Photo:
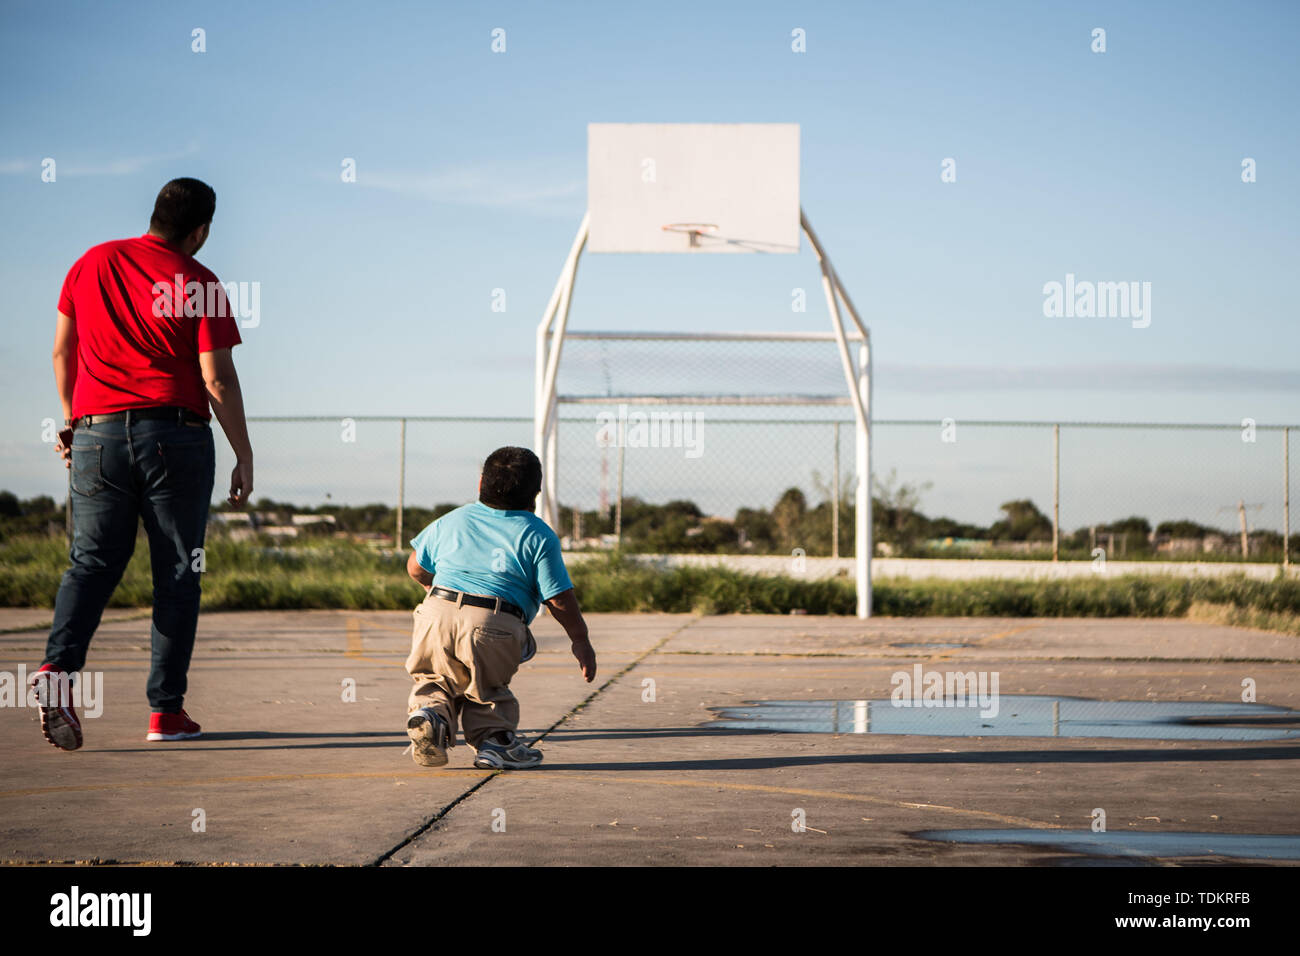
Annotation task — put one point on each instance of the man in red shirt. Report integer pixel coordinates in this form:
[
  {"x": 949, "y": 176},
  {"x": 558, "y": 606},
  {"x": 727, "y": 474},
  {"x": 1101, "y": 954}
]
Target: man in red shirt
[{"x": 141, "y": 361}]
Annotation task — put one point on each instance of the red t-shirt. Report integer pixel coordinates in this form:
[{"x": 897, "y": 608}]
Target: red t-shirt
[{"x": 143, "y": 311}]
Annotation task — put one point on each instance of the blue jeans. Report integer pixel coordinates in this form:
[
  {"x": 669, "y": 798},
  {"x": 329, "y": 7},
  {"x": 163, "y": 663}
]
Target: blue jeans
[{"x": 160, "y": 472}]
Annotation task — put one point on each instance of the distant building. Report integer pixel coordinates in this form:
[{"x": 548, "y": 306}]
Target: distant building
[
  {"x": 230, "y": 517},
  {"x": 247, "y": 525},
  {"x": 604, "y": 542},
  {"x": 303, "y": 521}
]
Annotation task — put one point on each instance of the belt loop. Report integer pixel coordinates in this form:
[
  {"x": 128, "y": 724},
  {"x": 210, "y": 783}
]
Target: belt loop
[
  {"x": 180, "y": 415},
  {"x": 460, "y": 599},
  {"x": 497, "y": 609}
]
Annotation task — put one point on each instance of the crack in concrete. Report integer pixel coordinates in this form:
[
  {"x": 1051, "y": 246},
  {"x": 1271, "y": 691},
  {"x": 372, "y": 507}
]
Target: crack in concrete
[{"x": 428, "y": 824}]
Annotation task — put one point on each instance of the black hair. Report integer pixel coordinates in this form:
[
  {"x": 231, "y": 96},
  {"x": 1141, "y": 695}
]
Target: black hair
[
  {"x": 181, "y": 207},
  {"x": 512, "y": 479}
]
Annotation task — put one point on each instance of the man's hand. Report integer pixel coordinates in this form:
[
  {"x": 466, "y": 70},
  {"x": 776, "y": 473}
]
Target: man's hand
[
  {"x": 586, "y": 656},
  {"x": 64, "y": 447},
  {"x": 241, "y": 484},
  {"x": 227, "y": 401},
  {"x": 66, "y": 364},
  {"x": 564, "y": 608}
]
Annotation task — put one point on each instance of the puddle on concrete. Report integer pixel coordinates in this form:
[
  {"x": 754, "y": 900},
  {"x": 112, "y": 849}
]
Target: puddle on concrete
[
  {"x": 1018, "y": 716},
  {"x": 926, "y": 644},
  {"x": 1129, "y": 843}
]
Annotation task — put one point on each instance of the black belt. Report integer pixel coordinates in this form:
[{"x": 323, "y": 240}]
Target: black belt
[
  {"x": 475, "y": 600},
  {"x": 182, "y": 416}
]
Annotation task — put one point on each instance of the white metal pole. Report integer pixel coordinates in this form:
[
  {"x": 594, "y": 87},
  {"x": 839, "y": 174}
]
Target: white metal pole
[
  {"x": 549, "y": 343},
  {"x": 822, "y": 257},
  {"x": 837, "y": 325},
  {"x": 1245, "y": 535},
  {"x": 567, "y": 280},
  {"x": 1056, "y": 492},
  {"x": 863, "y": 544},
  {"x": 540, "y": 403},
  {"x": 860, "y": 390},
  {"x": 1286, "y": 499},
  {"x": 398, "y": 545},
  {"x": 618, "y": 506},
  {"x": 539, "y": 378},
  {"x": 551, "y": 468},
  {"x": 751, "y": 336},
  {"x": 835, "y": 497}
]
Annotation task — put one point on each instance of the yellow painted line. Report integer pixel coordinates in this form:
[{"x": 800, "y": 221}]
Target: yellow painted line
[
  {"x": 799, "y": 792},
  {"x": 39, "y": 626},
  {"x": 262, "y": 778},
  {"x": 356, "y": 646},
  {"x": 1009, "y": 632},
  {"x": 795, "y": 655},
  {"x": 773, "y": 674},
  {"x": 355, "y": 643},
  {"x": 556, "y": 775}
]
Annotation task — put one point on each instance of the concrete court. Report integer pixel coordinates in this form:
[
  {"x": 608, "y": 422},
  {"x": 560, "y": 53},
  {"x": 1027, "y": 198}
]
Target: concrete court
[{"x": 287, "y": 772}]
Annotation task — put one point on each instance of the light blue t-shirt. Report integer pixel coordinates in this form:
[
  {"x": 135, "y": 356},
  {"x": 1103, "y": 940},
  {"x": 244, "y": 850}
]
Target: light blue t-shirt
[{"x": 513, "y": 555}]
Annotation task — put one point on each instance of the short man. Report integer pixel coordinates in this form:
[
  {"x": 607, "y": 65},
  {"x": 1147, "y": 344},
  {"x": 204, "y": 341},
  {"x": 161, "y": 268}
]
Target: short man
[
  {"x": 486, "y": 566},
  {"x": 142, "y": 346}
]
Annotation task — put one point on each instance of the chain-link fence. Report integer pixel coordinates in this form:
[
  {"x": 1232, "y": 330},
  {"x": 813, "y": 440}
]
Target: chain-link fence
[{"x": 691, "y": 482}]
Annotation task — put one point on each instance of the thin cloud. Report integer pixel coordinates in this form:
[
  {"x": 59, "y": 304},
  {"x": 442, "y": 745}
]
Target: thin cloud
[
  {"x": 465, "y": 186},
  {"x": 125, "y": 166},
  {"x": 1090, "y": 376}
]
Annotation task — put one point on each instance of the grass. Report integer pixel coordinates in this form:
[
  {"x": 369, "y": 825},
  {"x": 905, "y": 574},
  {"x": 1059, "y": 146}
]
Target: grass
[
  {"x": 336, "y": 574},
  {"x": 616, "y": 584},
  {"x": 238, "y": 576},
  {"x": 1285, "y": 622}
]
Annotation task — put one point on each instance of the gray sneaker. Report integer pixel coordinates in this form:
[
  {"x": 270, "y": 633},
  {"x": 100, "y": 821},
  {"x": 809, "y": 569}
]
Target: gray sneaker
[
  {"x": 430, "y": 737},
  {"x": 513, "y": 755}
]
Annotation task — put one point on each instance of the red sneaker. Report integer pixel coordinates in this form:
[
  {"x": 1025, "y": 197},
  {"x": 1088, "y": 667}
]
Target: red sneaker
[
  {"x": 59, "y": 722},
  {"x": 172, "y": 727}
]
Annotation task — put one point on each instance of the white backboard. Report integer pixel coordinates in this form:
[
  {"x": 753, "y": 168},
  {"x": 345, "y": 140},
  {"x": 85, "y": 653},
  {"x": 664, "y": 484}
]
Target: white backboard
[{"x": 721, "y": 187}]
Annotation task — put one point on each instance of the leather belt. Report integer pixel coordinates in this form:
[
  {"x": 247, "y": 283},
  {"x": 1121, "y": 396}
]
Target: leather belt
[
  {"x": 476, "y": 600},
  {"x": 182, "y": 416}
]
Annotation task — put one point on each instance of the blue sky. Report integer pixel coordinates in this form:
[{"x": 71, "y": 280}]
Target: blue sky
[{"x": 376, "y": 296}]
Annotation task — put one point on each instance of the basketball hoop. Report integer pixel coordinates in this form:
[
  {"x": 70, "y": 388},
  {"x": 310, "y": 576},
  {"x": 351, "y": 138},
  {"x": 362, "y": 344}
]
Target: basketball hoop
[{"x": 692, "y": 229}]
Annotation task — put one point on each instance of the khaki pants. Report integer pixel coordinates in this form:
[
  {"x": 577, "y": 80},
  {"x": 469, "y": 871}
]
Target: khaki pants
[{"x": 462, "y": 659}]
